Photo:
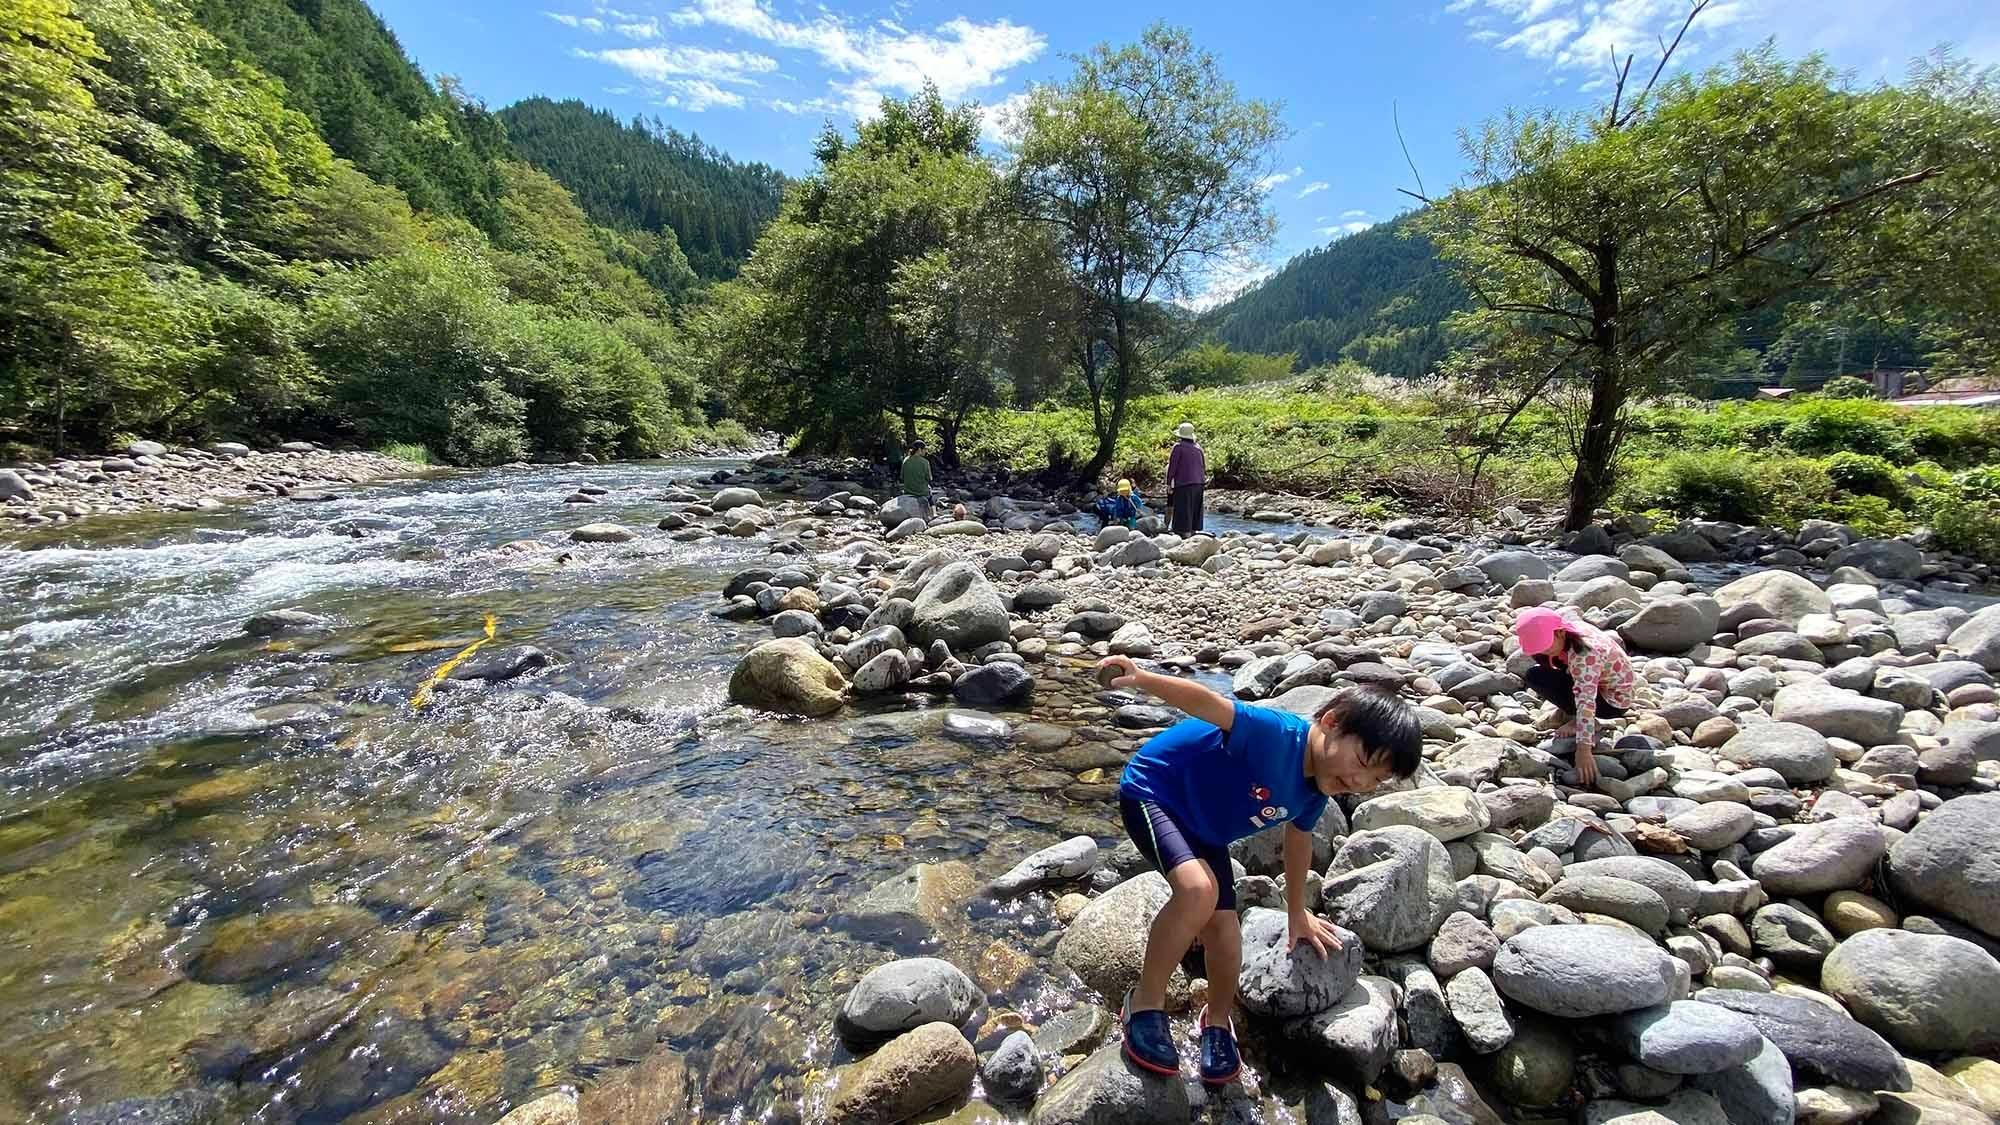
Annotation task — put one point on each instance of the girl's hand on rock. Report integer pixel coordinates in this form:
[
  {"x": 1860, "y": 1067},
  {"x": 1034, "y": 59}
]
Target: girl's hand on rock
[
  {"x": 1586, "y": 766},
  {"x": 1312, "y": 930},
  {"x": 1117, "y": 672}
]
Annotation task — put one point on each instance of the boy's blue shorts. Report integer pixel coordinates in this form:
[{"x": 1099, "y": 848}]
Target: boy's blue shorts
[{"x": 1166, "y": 847}]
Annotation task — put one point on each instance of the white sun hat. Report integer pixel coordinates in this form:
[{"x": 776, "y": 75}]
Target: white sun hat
[{"x": 1185, "y": 430}]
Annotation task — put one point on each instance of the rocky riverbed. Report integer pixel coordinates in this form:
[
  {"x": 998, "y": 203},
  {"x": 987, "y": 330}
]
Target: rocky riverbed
[
  {"x": 150, "y": 477},
  {"x": 1779, "y": 901}
]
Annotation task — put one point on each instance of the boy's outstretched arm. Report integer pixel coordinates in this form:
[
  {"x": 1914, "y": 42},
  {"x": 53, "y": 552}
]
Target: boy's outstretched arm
[
  {"x": 1301, "y": 924},
  {"x": 1187, "y": 695}
]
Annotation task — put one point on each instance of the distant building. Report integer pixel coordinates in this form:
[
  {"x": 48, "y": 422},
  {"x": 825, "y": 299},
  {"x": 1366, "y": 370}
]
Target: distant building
[
  {"x": 1776, "y": 392},
  {"x": 1984, "y": 398}
]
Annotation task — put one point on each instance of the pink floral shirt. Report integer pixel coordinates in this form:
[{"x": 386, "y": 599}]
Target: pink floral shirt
[{"x": 1602, "y": 671}]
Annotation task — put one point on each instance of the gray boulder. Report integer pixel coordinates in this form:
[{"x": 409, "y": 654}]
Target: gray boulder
[
  {"x": 960, "y": 607},
  {"x": 1476, "y": 1008},
  {"x": 1504, "y": 568},
  {"x": 1978, "y": 640},
  {"x": 1883, "y": 558},
  {"x": 1675, "y": 887},
  {"x": 1833, "y": 856},
  {"x": 13, "y": 487},
  {"x": 1581, "y": 971},
  {"x": 1756, "y": 1092},
  {"x": 1672, "y": 624},
  {"x": 1838, "y": 714},
  {"x": 903, "y": 995},
  {"x": 603, "y": 533},
  {"x": 1688, "y": 1037},
  {"x": 731, "y": 498},
  {"x": 1104, "y": 1089},
  {"x": 1821, "y": 1043},
  {"x": 1799, "y": 753},
  {"x": 1352, "y": 1040},
  {"x": 1285, "y": 983},
  {"x": 1463, "y": 942},
  {"x": 1106, "y": 943},
  {"x": 1950, "y": 862},
  {"x": 1137, "y": 551},
  {"x": 885, "y": 671},
  {"x": 898, "y": 509},
  {"x": 994, "y": 685},
  {"x": 1394, "y": 887},
  {"x": 1013, "y": 1072},
  {"x": 1781, "y": 594},
  {"x": 1925, "y": 992},
  {"x": 1448, "y": 812}
]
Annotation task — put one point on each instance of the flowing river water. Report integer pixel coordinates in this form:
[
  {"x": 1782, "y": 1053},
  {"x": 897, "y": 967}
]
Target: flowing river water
[{"x": 252, "y": 868}]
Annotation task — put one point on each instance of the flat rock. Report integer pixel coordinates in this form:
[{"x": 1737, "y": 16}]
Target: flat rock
[
  {"x": 1586, "y": 970},
  {"x": 1821, "y": 1043},
  {"x": 1832, "y": 856},
  {"x": 1287, "y": 984},
  {"x": 1925, "y": 992},
  {"x": 1950, "y": 862}
]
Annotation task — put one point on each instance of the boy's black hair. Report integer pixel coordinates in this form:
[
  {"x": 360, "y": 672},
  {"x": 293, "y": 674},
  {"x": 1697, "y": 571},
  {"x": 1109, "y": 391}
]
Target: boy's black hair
[{"x": 1387, "y": 726}]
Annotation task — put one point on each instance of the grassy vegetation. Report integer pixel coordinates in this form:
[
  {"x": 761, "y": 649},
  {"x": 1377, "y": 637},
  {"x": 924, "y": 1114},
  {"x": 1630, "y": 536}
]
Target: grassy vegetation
[
  {"x": 408, "y": 451},
  {"x": 1884, "y": 470}
]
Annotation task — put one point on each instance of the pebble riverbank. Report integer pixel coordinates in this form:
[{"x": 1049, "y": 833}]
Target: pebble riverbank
[
  {"x": 149, "y": 477},
  {"x": 1779, "y": 902}
]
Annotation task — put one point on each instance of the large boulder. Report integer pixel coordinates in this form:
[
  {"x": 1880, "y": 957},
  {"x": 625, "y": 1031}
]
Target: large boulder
[
  {"x": 1883, "y": 558},
  {"x": 1286, "y": 983},
  {"x": 1106, "y": 943},
  {"x": 923, "y": 898},
  {"x": 1104, "y": 1089},
  {"x": 1449, "y": 812},
  {"x": 916, "y": 1070},
  {"x": 1800, "y": 754},
  {"x": 1780, "y": 593},
  {"x": 1352, "y": 1040},
  {"x": 1756, "y": 1092},
  {"x": 1504, "y": 568},
  {"x": 1924, "y": 992},
  {"x": 1394, "y": 887},
  {"x": 1688, "y": 1037},
  {"x": 959, "y": 607},
  {"x": 897, "y": 509},
  {"x": 1950, "y": 862},
  {"x": 603, "y": 533},
  {"x": 1822, "y": 1043},
  {"x": 12, "y": 486},
  {"x": 1002, "y": 683},
  {"x": 790, "y": 676},
  {"x": 731, "y": 498},
  {"x": 903, "y": 995},
  {"x": 1978, "y": 640},
  {"x": 1675, "y": 887},
  {"x": 1136, "y": 551},
  {"x": 1832, "y": 856},
  {"x": 1837, "y": 713},
  {"x": 1581, "y": 971},
  {"x": 1672, "y": 624}
]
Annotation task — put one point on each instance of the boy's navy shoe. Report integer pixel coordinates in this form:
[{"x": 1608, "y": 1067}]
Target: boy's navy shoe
[
  {"x": 1220, "y": 1062},
  {"x": 1149, "y": 1040}
]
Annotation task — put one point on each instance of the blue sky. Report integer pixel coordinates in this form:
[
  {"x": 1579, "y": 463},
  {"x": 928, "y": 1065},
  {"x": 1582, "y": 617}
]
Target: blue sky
[{"x": 758, "y": 78}]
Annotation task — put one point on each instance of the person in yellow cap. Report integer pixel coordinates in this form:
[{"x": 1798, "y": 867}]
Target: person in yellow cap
[{"x": 1125, "y": 508}]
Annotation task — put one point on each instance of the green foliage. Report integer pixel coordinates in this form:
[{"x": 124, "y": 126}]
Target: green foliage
[
  {"x": 645, "y": 179},
  {"x": 1847, "y": 386},
  {"x": 1835, "y": 425},
  {"x": 1861, "y": 474},
  {"x": 407, "y": 451},
  {"x": 1212, "y": 363},
  {"x": 183, "y": 255}
]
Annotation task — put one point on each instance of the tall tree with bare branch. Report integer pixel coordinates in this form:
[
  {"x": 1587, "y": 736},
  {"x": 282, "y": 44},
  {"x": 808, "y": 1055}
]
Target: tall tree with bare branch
[{"x": 1611, "y": 252}]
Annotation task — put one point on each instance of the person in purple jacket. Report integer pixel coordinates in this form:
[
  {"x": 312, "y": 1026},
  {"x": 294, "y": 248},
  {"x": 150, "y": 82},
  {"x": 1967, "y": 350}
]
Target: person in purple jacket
[{"x": 1187, "y": 476}]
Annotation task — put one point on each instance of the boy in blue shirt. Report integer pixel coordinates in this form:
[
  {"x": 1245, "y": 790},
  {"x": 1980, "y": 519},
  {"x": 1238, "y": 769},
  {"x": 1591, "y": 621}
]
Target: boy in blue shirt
[{"x": 1230, "y": 771}]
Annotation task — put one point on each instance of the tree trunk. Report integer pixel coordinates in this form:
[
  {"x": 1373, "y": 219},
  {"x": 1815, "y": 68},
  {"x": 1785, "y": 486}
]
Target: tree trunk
[
  {"x": 1107, "y": 429},
  {"x": 1592, "y": 482},
  {"x": 60, "y": 408}
]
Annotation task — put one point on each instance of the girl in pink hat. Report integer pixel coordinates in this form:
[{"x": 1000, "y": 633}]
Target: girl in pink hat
[{"x": 1581, "y": 669}]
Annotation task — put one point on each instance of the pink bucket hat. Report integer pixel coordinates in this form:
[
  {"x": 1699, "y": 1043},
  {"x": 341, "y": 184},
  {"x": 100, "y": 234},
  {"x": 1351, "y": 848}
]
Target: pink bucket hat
[{"x": 1536, "y": 629}]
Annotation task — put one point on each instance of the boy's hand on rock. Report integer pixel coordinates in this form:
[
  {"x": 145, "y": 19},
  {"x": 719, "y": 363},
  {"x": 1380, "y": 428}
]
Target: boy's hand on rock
[
  {"x": 1311, "y": 929},
  {"x": 1117, "y": 671}
]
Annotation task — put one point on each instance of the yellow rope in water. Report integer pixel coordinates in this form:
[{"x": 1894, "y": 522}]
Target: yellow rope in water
[{"x": 423, "y": 694}]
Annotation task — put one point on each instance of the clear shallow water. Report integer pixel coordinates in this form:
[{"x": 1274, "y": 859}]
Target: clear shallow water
[{"x": 252, "y": 868}]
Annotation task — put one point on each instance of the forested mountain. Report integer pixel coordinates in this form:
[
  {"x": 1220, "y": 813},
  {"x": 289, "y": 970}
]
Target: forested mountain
[
  {"x": 1378, "y": 297},
  {"x": 343, "y": 69},
  {"x": 183, "y": 255},
  {"x": 644, "y": 176}
]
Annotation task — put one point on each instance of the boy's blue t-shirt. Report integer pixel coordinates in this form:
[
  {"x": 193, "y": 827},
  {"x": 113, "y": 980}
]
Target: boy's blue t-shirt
[{"x": 1223, "y": 787}]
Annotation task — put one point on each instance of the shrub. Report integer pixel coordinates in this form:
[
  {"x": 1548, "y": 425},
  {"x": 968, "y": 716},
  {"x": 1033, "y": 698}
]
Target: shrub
[
  {"x": 1736, "y": 487},
  {"x": 1844, "y": 426},
  {"x": 729, "y": 434},
  {"x": 1860, "y": 474},
  {"x": 1872, "y": 517},
  {"x": 1848, "y": 386},
  {"x": 408, "y": 451}
]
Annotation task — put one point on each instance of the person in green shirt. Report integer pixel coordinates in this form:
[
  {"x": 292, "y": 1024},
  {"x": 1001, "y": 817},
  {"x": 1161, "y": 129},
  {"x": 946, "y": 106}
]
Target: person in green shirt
[{"x": 917, "y": 475}]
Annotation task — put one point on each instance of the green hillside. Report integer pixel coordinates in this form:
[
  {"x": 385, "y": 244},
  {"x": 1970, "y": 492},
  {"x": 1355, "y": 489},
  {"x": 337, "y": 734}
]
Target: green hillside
[
  {"x": 645, "y": 177},
  {"x": 1377, "y": 297}
]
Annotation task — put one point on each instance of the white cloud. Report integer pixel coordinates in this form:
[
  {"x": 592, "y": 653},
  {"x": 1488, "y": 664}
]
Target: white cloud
[
  {"x": 999, "y": 123},
  {"x": 697, "y": 94},
  {"x": 664, "y": 63},
  {"x": 1226, "y": 279},
  {"x": 1342, "y": 229},
  {"x": 1582, "y": 35},
  {"x": 1277, "y": 178},
  {"x": 960, "y": 56},
  {"x": 643, "y": 29},
  {"x": 1311, "y": 188},
  {"x": 1357, "y": 214},
  {"x": 563, "y": 19}
]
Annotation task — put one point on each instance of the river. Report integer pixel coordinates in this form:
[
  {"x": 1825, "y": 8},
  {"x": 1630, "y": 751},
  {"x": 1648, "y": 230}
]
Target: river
[{"x": 253, "y": 868}]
